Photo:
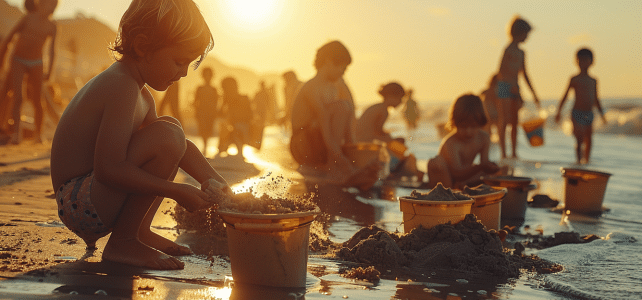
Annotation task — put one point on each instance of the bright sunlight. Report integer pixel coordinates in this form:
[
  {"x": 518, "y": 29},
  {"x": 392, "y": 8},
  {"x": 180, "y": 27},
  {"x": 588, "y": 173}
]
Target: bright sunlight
[{"x": 253, "y": 15}]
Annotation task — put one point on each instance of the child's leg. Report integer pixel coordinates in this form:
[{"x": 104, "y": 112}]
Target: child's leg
[
  {"x": 157, "y": 149},
  {"x": 15, "y": 77},
  {"x": 513, "y": 121},
  {"x": 34, "y": 88},
  {"x": 579, "y": 139},
  {"x": 588, "y": 143},
  {"x": 5, "y": 106},
  {"x": 503, "y": 111}
]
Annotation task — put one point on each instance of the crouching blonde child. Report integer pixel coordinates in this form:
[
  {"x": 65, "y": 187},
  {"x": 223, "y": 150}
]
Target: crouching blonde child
[{"x": 113, "y": 159}]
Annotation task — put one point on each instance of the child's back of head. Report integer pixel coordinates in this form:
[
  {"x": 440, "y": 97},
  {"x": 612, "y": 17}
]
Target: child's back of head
[
  {"x": 162, "y": 23},
  {"x": 335, "y": 51},
  {"x": 392, "y": 89},
  {"x": 519, "y": 26},
  {"x": 467, "y": 110},
  {"x": 585, "y": 53}
]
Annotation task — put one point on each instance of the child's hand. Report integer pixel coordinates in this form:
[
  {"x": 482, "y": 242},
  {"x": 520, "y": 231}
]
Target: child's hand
[
  {"x": 191, "y": 198},
  {"x": 490, "y": 167},
  {"x": 216, "y": 191}
]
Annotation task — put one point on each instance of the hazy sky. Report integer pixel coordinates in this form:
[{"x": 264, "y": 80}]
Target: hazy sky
[{"x": 442, "y": 49}]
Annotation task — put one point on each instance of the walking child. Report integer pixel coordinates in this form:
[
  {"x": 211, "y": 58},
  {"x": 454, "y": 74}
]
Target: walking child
[
  {"x": 586, "y": 97},
  {"x": 113, "y": 160},
  {"x": 33, "y": 30},
  {"x": 512, "y": 64},
  {"x": 454, "y": 166}
]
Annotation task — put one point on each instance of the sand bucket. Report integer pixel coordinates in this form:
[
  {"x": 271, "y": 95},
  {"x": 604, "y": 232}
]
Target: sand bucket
[
  {"x": 269, "y": 249},
  {"x": 362, "y": 154},
  {"x": 397, "y": 148},
  {"x": 584, "y": 190},
  {"x": 488, "y": 208},
  {"x": 534, "y": 129},
  {"x": 430, "y": 213},
  {"x": 515, "y": 201}
]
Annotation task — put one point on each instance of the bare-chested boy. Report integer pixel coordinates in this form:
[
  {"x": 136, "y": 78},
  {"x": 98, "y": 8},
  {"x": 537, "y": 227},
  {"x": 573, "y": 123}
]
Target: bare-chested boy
[
  {"x": 33, "y": 30},
  {"x": 586, "y": 98},
  {"x": 454, "y": 165},
  {"x": 510, "y": 100},
  {"x": 323, "y": 120},
  {"x": 113, "y": 159}
]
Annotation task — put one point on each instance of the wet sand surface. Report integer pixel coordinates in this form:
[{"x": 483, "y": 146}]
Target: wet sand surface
[{"x": 41, "y": 259}]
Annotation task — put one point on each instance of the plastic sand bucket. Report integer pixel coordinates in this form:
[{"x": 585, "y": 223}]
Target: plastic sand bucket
[
  {"x": 363, "y": 154},
  {"x": 488, "y": 208},
  {"x": 397, "y": 148},
  {"x": 515, "y": 201},
  {"x": 429, "y": 213},
  {"x": 534, "y": 129},
  {"x": 269, "y": 249},
  {"x": 584, "y": 189}
]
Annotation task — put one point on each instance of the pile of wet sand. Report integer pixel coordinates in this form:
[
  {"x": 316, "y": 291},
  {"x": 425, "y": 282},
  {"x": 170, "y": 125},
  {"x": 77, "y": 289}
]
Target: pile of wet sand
[{"x": 466, "y": 247}]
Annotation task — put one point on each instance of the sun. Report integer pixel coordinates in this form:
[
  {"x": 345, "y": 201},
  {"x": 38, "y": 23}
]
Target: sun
[{"x": 253, "y": 15}]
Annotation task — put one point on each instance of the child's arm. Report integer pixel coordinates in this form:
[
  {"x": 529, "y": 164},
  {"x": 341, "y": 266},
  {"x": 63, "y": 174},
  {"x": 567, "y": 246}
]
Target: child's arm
[
  {"x": 5, "y": 43},
  {"x": 111, "y": 165},
  {"x": 52, "y": 53},
  {"x": 528, "y": 81},
  {"x": 559, "y": 109},
  {"x": 599, "y": 106},
  {"x": 458, "y": 171},
  {"x": 487, "y": 165}
]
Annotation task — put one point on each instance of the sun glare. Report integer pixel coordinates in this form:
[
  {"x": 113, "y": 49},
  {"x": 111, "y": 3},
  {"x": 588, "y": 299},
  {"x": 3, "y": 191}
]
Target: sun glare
[{"x": 253, "y": 15}]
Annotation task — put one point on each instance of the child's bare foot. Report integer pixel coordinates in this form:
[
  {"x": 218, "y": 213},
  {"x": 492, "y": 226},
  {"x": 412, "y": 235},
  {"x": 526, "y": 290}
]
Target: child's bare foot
[
  {"x": 133, "y": 252},
  {"x": 162, "y": 244}
]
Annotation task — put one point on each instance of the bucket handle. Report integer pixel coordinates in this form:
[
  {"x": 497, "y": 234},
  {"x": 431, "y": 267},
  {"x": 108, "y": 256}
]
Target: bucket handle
[{"x": 265, "y": 226}]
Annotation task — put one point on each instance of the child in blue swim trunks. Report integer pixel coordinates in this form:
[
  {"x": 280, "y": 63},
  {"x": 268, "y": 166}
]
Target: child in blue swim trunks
[
  {"x": 113, "y": 159},
  {"x": 507, "y": 88},
  {"x": 585, "y": 88}
]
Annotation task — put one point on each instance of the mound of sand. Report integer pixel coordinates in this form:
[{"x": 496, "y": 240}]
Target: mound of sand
[{"x": 465, "y": 247}]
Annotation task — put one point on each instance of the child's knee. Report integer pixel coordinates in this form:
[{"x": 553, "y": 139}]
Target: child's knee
[
  {"x": 171, "y": 137},
  {"x": 171, "y": 120}
]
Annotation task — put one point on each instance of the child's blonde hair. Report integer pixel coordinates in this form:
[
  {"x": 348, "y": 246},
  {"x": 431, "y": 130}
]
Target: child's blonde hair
[
  {"x": 164, "y": 23},
  {"x": 467, "y": 110}
]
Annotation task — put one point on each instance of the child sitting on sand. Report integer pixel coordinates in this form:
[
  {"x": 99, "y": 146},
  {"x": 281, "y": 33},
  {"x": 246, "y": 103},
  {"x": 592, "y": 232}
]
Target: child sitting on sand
[
  {"x": 323, "y": 121},
  {"x": 454, "y": 165},
  {"x": 586, "y": 98},
  {"x": 370, "y": 129},
  {"x": 113, "y": 159}
]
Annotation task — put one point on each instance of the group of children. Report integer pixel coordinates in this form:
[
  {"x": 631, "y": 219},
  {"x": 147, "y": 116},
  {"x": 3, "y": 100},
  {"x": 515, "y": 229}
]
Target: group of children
[{"x": 113, "y": 159}]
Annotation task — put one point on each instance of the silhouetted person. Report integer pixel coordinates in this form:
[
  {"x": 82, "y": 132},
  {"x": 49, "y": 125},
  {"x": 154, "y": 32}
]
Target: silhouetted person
[
  {"x": 586, "y": 97},
  {"x": 238, "y": 110},
  {"x": 411, "y": 111},
  {"x": 33, "y": 30},
  {"x": 261, "y": 103},
  {"x": 511, "y": 66},
  {"x": 290, "y": 90},
  {"x": 205, "y": 105},
  {"x": 171, "y": 98}
]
